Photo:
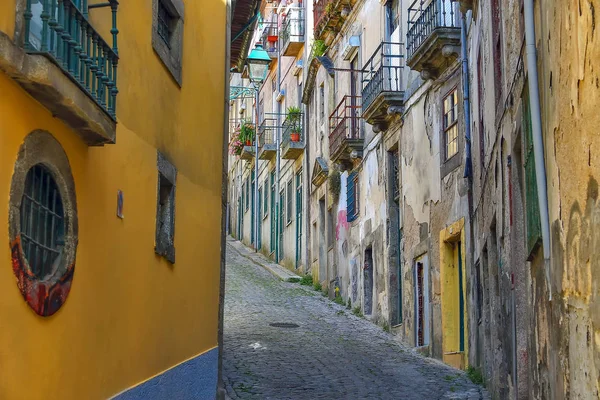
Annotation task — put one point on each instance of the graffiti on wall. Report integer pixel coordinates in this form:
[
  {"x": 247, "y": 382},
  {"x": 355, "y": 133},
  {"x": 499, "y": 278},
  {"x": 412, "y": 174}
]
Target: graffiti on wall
[{"x": 45, "y": 296}]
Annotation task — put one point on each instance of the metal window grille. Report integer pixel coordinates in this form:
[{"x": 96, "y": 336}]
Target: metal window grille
[
  {"x": 451, "y": 124},
  {"x": 164, "y": 23},
  {"x": 42, "y": 221},
  {"x": 290, "y": 200},
  {"x": 322, "y": 99}
]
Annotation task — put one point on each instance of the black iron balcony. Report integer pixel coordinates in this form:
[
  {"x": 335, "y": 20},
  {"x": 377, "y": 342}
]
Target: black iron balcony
[
  {"x": 433, "y": 38},
  {"x": 267, "y": 135},
  {"x": 270, "y": 39},
  {"x": 345, "y": 133},
  {"x": 292, "y": 137},
  {"x": 292, "y": 34},
  {"x": 383, "y": 89},
  {"x": 59, "y": 30}
]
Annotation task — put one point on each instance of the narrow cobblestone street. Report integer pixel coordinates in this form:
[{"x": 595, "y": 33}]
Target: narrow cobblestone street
[{"x": 332, "y": 354}]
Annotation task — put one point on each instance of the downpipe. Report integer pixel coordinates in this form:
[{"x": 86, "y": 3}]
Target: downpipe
[{"x": 538, "y": 141}]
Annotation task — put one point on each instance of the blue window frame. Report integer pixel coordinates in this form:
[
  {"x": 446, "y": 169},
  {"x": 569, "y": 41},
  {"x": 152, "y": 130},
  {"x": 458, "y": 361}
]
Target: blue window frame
[{"x": 352, "y": 193}]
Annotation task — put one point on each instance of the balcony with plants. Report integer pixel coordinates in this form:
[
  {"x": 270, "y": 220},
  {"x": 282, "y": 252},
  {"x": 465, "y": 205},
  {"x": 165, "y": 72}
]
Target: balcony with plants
[
  {"x": 383, "y": 89},
  {"x": 433, "y": 38},
  {"x": 241, "y": 142},
  {"x": 329, "y": 16},
  {"x": 293, "y": 31},
  {"x": 292, "y": 135},
  {"x": 346, "y": 139},
  {"x": 67, "y": 65}
]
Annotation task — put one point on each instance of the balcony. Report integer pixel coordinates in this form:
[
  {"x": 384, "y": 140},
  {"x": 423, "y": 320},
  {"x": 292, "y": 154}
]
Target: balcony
[
  {"x": 433, "y": 38},
  {"x": 248, "y": 152},
  {"x": 69, "y": 68},
  {"x": 383, "y": 89},
  {"x": 345, "y": 133},
  {"x": 292, "y": 34},
  {"x": 269, "y": 39},
  {"x": 329, "y": 16},
  {"x": 292, "y": 139},
  {"x": 267, "y": 135}
]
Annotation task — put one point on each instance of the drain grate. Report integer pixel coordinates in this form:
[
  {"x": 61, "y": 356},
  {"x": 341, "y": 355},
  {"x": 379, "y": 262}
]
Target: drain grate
[{"x": 284, "y": 325}]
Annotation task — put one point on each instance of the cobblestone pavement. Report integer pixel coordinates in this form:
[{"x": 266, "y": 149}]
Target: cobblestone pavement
[{"x": 331, "y": 355}]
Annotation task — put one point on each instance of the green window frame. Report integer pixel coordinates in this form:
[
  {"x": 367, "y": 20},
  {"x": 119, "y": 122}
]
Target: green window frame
[
  {"x": 290, "y": 201},
  {"x": 352, "y": 194},
  {"x": 533, "y": 223},
  {"x": 266, "y": 198}
]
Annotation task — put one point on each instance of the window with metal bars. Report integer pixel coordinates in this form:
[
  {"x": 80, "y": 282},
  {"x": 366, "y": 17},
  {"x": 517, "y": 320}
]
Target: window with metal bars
[
  {"x": 165, "y": 23},
  {"x": 450, "y": 124},
  {"x": 42, "y": 221},
  {"x": 322, "y": 100}
]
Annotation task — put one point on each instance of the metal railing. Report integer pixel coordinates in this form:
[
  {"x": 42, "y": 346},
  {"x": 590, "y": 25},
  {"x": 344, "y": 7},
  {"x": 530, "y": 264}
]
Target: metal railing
[
  {"x": 267, "y": 130},
  {"x": 60, "y": 30},
  {"x": 383, "y": 72},
  {"x": 320, "y": 11},
  {"x": 288, "y": 128},
  {"x": 269, "y": 38},
  {"x": 426, "y": 16},
  {"x": 344, "y": 122},
  {"x": 293, "y": 27}
]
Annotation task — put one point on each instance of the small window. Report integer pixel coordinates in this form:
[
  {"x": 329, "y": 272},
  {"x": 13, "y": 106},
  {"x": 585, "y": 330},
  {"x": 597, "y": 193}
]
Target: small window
[
  {"x": 290, "y": 199},
  {"x": 322, "y": 100},
  {"x": 330, "y": 229},
  {"x": 352, "y": 194},
  {"x": 167, "y": 34},
  {"x": 450, "y": 124},
  {"x": 42, "y": 221},
  {"x": 165, "y": 23},
  {"x": 266, "y": 197},
  {"x": 247, "y": 194},
  {"x": 165, "y": 209}
]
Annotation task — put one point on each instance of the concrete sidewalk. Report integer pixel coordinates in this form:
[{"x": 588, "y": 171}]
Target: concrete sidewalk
[{"x": 259, "y": 259}]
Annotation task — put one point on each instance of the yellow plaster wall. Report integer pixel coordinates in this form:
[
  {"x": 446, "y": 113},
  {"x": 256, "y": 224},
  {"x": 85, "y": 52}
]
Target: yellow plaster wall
[
  {"x": 449, "y": 295},
  {"x": 130, "y": 314}
]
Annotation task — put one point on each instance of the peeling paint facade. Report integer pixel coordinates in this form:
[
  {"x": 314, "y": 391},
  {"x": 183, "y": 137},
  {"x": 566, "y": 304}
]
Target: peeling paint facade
[{"x": 435, "y": 234}]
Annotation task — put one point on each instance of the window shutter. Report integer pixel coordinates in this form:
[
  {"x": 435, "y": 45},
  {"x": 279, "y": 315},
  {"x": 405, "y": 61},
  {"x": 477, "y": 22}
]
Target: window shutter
[
  {"x": 534, "y": 229},
  {"x": 351, "y": 198}
]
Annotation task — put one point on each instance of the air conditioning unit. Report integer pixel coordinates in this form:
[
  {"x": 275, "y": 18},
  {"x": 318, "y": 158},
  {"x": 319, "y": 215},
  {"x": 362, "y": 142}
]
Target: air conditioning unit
[
  {"x": 298, "y": 67},
  {"x": 351, "y": 47},
  {"x": 281, "y": 95}
]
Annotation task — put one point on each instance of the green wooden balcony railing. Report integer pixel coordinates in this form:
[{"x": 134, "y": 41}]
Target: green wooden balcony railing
[{"x": 61, "y": 31}]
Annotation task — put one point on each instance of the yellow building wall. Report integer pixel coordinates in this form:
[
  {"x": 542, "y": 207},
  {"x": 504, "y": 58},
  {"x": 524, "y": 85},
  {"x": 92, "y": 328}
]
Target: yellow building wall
[
  {"x": 449, "y": 263},
  {"x": 130, "y": 314}
]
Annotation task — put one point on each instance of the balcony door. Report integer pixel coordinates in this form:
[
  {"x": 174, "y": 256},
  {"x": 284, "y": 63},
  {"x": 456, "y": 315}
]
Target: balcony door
[{"x": 354, "y": 128}]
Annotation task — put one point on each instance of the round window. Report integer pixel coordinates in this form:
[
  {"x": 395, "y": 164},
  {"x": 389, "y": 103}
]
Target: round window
[{"x": 42, "y": 222}]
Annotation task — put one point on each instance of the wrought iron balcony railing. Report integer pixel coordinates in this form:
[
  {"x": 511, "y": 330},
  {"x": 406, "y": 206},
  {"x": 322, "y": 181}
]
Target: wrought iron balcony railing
[
  {"x": 293, "y": 29},
  {"x": 290, "y": 129},
  {"x": 320, "y": 11},
  {"x": 383, "y": 72},
  {"x": 344, "y": 124},
  {"x": 267, "y": 130},
  {"x": 424, "y": 17},
  {"x": 269, "y": 38},
  {"x": 60, "y": 30}
]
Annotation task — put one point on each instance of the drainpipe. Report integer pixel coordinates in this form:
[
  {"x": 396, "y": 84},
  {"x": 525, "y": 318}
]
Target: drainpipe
[
  {"x": 278, "y": 142},
  {"x": 467, "y": 103},
  {"x": 538, "y": 141},
  {"x": 256, "y": 202}
]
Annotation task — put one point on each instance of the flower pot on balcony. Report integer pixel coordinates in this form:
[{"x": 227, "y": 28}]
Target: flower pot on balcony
[
  {"x": 271, "y": 38},
  {"x": 295, "y": 137},
  {"x": 248, "y": 142}
]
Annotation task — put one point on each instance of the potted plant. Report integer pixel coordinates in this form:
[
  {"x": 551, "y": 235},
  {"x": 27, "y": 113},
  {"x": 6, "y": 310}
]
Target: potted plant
[
  {"x": 236, "y": 145},
  {"x": 294, "y": 117},
  {"x": 247, "y": 133}
]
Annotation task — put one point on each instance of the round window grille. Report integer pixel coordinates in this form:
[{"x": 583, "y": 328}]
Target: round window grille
[{"x": 42, "y": 222}]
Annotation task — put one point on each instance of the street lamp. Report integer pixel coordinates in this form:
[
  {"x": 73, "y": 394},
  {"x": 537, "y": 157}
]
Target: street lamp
[{"x": 258, "y": 62}]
